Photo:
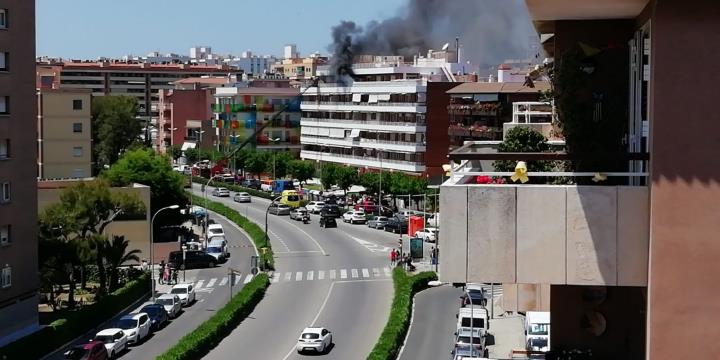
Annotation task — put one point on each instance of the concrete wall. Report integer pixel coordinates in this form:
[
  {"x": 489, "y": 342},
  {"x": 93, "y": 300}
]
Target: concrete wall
[
  {"x": 438, "y": 120},
  {"x": 543, "y": 234}
]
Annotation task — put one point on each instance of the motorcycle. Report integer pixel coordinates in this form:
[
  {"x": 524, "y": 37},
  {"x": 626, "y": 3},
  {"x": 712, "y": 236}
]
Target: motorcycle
[{"x": 305, "y": 219}]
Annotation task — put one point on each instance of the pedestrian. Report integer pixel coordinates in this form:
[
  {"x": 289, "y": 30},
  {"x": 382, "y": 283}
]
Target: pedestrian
[
  {"x": 393, "y": 257},
  {"x": 161, "y": 271},
  {"x": 166, "y": 274},
  {"x": 432, "y": 256}
]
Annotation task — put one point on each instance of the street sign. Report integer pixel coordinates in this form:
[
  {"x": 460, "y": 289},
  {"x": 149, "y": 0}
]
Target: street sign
[{"x": 416, "y": 248}]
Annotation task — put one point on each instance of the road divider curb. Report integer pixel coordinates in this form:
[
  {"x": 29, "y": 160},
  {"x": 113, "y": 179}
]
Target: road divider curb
[
  {"x": 393, "y": 335},
  {"x": 210, "y": 333}
]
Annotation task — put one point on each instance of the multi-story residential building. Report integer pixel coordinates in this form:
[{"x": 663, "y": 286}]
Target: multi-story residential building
[
  {"x": 252, "y": 64},
  {"x": 299, "y": 68},
  {"x": 241, "y": 109},
  {"x": 64, "y": 133},
  {"x": 631, "y": 261},
  {"x": 18, "y": 174},
  {"x": 380, "y": 120},
  {"x": 184, "y": 117}
]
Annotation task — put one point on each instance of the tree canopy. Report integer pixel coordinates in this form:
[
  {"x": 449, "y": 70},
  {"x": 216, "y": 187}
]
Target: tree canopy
[
  {"x": 346, "y": 176},
  {"x": 328, "y": 175},
  {"x": 302, "y": 170},
  {"x": 523, "y": 139},
  {"x": 115, "y": 127}
]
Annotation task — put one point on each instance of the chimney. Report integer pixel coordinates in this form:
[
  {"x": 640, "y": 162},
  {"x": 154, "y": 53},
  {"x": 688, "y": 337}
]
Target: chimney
[{"x": 457, "y": 50}]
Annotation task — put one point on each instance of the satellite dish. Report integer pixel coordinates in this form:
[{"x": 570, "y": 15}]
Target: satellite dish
[{"x": 446, "y": 46}]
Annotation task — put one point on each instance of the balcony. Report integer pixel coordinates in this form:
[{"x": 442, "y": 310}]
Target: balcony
[
  {"x": 405, "y": 107},
  {"x": 370, "y": 125},
  {"x": 362, "y": 161},
  {"x": 388, "y": 145},
  {"x": 491, "y": 109},
  {"x": 475, "y": 132},
  {"x": 550, "y": 131}
]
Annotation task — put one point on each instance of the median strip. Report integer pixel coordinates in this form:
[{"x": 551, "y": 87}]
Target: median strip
[
  {"x": 393, "y": 334},
  {"x": 210, "y": 333}
]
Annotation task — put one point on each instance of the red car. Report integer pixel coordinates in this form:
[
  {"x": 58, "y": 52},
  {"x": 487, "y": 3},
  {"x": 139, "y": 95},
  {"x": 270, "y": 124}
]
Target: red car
[{"x": 90, "y": 351}]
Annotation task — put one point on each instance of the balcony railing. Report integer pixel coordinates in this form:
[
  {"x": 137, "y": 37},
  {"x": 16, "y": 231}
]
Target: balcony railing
[
  {"x": 477, "y": 132},
  {"x": 473, "y": 109},
  {"x": 368, "y": 122},
  {"x": 550, "y": 131},
  {"x": 364, "y": 158},
  {"x": 310, "y": 103}
]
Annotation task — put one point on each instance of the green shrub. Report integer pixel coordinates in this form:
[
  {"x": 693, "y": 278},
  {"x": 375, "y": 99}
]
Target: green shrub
[
  {"x": 207, "y": 335},
  {"x": 257, "y": 234},
  {"x": 76, "y": 323},
  {"x": 393, "y": 335}
]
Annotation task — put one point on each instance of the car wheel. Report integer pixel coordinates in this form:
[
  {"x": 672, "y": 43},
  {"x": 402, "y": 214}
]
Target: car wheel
[{"x": 211, "y": 264}]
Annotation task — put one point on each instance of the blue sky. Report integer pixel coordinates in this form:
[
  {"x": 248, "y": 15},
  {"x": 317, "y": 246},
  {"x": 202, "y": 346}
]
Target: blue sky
[{"x": 112, "y": 28}]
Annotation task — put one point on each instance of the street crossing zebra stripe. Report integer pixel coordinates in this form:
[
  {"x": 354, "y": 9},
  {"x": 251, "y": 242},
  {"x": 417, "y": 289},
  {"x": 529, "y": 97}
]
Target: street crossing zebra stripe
[{"x": 365, "y": 273}]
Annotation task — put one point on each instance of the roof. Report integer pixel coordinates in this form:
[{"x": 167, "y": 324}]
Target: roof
[
  {"x": 143, "y": 67},
  {"x": 498, "y": 88},
  {"x": 110, "y": 331}
]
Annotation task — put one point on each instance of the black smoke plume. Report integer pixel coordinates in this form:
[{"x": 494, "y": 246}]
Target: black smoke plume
[{"x": 490, "y": 31}]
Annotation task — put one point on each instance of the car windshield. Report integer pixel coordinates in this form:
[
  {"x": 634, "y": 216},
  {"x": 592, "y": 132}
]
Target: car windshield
[
  {"x": 165, "y": 301},
  {"x": 466, "y": 350},
  {"x": 222, "y": 189},
  {"x": 476, "y": 322},
  {"x": 538, "y": 329},
  {"x": 293, "y": 198},
  {"x": 310, "y": 336},
  {"x": 283, "y": 206},
  {"x": 466, "y": 339},
  {"x": 150, "y": 310},
  {"x": 214, "y": 250},
  {"x": 107, "y": 339},
  {"x": 76, "y": 353},
  {"x": 178, "y": 291},
  {"x": 216, "y": 231},
  {"x": 243, "y": 194},
  {"x": 127, "y": 323},
  {"x": 538, "y": 342}
]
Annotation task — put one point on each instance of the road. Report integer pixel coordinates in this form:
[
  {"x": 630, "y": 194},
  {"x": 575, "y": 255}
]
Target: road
[
  {"x": 212, "y": 293},
  {"x": 338, "y": 278}
]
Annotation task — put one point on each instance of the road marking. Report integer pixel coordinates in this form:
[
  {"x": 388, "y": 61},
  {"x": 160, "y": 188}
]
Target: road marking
[
  {"x": 288, "y": 276},
  {"x": 387, "y": 271},
  {"x": 354, "y": 273},
  {"x": 343, "y": 274},
  {"x": 376, "y": 272},
  {"x": 298, "y": 276},
  {"x": 322, "y": 307},
  {"x": 276, "y": 277},
  {"x": 199, "y": 284},
  {"x": 372, "y": 247},
  {"x": 223, "y": 281},
  {"x": 365, "y": 273},
  {"x": 204, "y": 290},
  {"x": 248, "y": 278},
  {"x": 310, "y": 276},
  {"x": 321, "y": 274},
  {"x": 332, "y": 274},
  {"x": 279, "y": 239},
  {"x": 238, "y": 277},
  {"x": 211, "y": 282}
]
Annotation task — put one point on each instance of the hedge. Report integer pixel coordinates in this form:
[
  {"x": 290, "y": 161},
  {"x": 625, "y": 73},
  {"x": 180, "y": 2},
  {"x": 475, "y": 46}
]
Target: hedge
[
  {"x": 393, "y": 335},
  {"x": 233, "y": 187},
  {"x": 76, "y": 323},
  {"x": 257, "y": 234},
  {"x": 207, "y": 335}
]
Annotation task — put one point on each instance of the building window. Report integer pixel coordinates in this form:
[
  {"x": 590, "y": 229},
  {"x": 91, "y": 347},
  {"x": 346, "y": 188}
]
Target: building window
[
  {"x": 5, "y": 235},
  {"x": 5, "y": 192},
  {"x": 4, "y": 61},
  {"x": 78, "y": 173},
  {"x": 3, "y": 18},
  {"x": 6, "y": 277},
  {"x": 77, "y": 127},
  {"x": 77, "y": 151},
  {"x": 4, "y": 104},
  {"x": 4, "y": 149},
  {"x": 77, "y": 104}
]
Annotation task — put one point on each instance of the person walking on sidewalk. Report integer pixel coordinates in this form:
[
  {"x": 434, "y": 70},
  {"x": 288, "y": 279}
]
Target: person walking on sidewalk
[{"x": 393, "y": 257}]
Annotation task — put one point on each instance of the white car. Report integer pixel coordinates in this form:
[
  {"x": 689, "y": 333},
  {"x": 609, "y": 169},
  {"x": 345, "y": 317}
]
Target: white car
[
  {"x": 135, "y": 326},
  {"x": 242, "y": 197},
  {"x": 186, "y": 293},
  {"x": 215, "y": 230},
  {"x": 314, "y": 207},
  {"x": 114, "y": 339},
  {"x": 221, "y": 192},
  {"x": 354, "y": 216},
  {"x": 428, "y": 234},
  {"x": 316, "y": 339},
  {"x": 171, "y": 303}
]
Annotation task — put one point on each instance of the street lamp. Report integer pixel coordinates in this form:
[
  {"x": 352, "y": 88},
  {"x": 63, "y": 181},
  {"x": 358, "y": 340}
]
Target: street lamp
[
  {"x": 205, "y": 195},
  {"x": 152, "y": 272},
  {"x": 273, "y": 152}
]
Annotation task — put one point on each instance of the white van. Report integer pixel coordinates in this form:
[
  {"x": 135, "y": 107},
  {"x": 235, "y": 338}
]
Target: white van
[
  {"x": 434, "y": 220},
  {"x": 219, "y": 247},
  {"x": 473, "y": 316},
  {"x": 537, "y": 330},
  {"x": 215, "y": 230}
]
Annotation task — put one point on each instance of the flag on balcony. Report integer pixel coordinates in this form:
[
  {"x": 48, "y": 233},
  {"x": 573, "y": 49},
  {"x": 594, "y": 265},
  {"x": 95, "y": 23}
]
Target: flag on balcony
[
  {"x": 227, "y": 108},
  {"x": 235, "y": 124}
]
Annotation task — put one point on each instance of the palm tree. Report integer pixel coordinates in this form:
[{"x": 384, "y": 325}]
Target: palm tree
[
  {"x": 116, "y": 255},
  {"x": 98, "y": 243}
]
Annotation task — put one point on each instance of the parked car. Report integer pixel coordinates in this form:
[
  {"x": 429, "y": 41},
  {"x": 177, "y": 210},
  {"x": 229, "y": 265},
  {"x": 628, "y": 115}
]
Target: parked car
[
  {"x": 428, "y": 234},
  {"x": 242, "y": 197},
  {"x": 171, "y": 303},
  {"x": 251, "y": 184},
  {"x": 215, "y": 230},
  {"x": 135, "y": 326},
  {"x": 377, "y": 222},
  {"x": 279, "y": 209},
  {"x": 316, "y": 339},
  {"x": 477, "y": 295},
  {"x": 217, "y": 247},
  {"x": 462, "y": 352},
  {"x": 315, "y": 206},
  {"x": 221, "y": 192},
  {"x": 89, "y": 351},
  {"x": 327, "y": 221},
  {"x": 397, "y": 225},
  {"x": 193, "y": 259},
  {"x": 114, "y": 339},
  {"x": 465, "y": 335},
  {"x": 186, "y": 293},
  {"x": 158, "y": 315},
  {"x": 354, "y": 216}
]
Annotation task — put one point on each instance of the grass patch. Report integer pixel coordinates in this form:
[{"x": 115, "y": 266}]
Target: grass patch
[
  {"x": 257, "y": 234},
  {"x": 76, "y": 323},
  {"x": 207, "y": 335},
  {"x": 393, "y": 335}
]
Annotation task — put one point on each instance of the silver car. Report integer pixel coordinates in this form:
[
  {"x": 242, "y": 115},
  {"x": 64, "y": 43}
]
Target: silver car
[
  {"x": 377, "y": 222},
  {"x": 279, "y": 209},
  {"x": 242, "y": 197},
  {"x": 221, "y": 192},
  {"x": 297, "y": 214}
]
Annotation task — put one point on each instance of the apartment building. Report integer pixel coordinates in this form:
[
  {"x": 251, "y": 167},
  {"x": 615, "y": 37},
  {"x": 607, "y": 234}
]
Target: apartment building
[
  {"x": 252, "y": 64},
  {"x": 379, "y": 119},
  {"x": 64, "y": 133},
  {"x": 630, "y": 261},
  {"x": 299, "y": 68},
  {"x": 18, "y": 175}
]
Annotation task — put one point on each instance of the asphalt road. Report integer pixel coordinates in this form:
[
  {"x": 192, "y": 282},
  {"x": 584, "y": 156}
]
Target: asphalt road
[
  {"x": 431, "y": 333},
  {"x": 209, "y": 298},
  {"x": 338, "y": 278}
]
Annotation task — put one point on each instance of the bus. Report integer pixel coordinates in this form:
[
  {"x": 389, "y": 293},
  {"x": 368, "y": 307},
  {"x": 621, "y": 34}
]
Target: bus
[{"x": 290, "y": 198}]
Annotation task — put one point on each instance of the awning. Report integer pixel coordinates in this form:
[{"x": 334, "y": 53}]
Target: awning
[
  {"x": 372, "y": 99},
  {"x": 357, "y": 97},
  {"x": 187, "y": 145},
  {"x": 354, "y": 133},
  {"x": 384, "y": 97}
]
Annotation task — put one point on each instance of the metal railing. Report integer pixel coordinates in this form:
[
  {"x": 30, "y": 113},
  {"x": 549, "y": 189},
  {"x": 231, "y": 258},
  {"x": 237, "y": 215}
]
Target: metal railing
[
  {"x": 310, "y": 103},
  {"x": 368, "y": 122},
  {"x": 364, "y": 158}
]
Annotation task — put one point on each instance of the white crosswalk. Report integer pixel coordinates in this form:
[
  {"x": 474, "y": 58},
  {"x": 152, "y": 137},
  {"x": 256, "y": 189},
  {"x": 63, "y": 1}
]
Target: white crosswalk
[{"x": 208, "y": 285}]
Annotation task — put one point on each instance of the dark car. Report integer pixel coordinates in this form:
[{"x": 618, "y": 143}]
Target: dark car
[
  {"x": 193, "y": 259},
  {"x": 90, "y": 351},
  {"x": 330, "y": 210},
  {"x": 327, "y": 221},
  {"x": 158, "y": 315},
  {"x": 398, "y": 225},
  {"x": 477, "y": 296},
  {"x": 251, "y": 184}
]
